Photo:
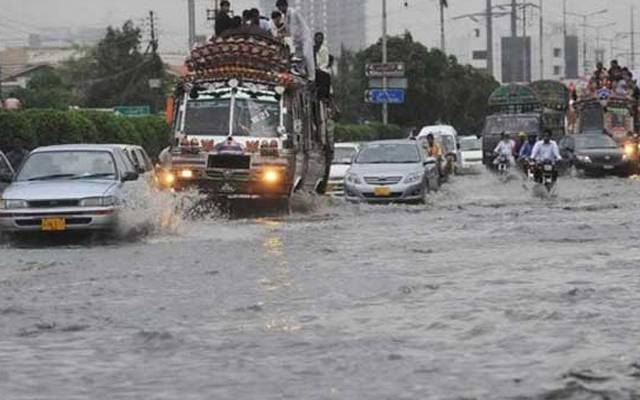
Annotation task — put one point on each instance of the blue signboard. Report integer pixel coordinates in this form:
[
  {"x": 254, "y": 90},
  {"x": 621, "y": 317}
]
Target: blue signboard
[{"x": 381, "y": 96}]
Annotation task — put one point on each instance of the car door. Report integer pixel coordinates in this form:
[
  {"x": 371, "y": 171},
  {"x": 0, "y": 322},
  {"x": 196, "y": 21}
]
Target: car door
[{"x": 6, "y": 172}]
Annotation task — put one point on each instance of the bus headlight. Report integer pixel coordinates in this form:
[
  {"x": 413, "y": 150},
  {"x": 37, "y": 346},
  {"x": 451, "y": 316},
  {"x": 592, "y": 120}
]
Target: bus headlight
[
  {"x": 167, "y": 179},
  {"x": 186, "y": 174},
  {"x": 271, "y": 176}
]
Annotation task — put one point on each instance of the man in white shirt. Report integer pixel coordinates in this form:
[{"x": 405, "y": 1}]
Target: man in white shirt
[
  {"x": 546, "y": 150},
  {"x": 505, "y": 150},
  {"x": 300, "y": 33},
  {"x": 323, "y": 66}
]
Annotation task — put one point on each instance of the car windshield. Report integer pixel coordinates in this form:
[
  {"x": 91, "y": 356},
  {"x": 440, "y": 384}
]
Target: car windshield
[
  {"x": 595, "y": 142},
  {"x": 259, "y": 117},
  {"x": 388, "y": 154},
  {"x": 68, "y": 165},
  {"x": 343, "y": 155},
  {"x": 471, "y": 144}
]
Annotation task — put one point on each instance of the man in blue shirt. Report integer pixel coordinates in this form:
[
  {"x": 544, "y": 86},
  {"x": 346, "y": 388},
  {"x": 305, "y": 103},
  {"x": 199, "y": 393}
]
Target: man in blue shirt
[{"x": 527, "y": 148}]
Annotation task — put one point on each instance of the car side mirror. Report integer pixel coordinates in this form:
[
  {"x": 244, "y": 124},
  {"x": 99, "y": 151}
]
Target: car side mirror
[
  {"x": 6, "y": 178},
  {"x": 130, "y": 176}
]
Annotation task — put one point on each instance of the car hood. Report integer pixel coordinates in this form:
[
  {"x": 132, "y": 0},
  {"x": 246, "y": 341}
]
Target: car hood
[
  {"x": 66, "y": 189},
  {"x": 338, "y": 170},
  {"x": 386, "y": 169}
]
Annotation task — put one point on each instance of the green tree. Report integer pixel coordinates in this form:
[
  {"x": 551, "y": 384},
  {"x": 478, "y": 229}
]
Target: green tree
[
  {"x": 117, "y": 71},
  {"x": 46, "y": 89},
  {"x": 440, "y": 89}
]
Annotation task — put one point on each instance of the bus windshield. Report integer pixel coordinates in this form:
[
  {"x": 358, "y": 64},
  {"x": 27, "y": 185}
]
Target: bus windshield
[{"x": 253, "y": 117}]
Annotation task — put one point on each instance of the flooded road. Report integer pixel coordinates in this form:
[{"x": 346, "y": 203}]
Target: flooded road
[{"x": 489, "y": 292}]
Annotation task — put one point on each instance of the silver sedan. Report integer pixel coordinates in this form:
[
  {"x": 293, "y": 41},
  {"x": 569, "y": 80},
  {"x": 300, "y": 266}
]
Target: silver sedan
[
  {"x": 391, "y": 171},
  {"x": 65, "y": 188}
]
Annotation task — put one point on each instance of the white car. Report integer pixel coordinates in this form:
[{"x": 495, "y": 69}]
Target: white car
[
  {"x": 69, "y": 187},
  {"x": 342, "y": 160},
  {"x": 470, "y": 153}
]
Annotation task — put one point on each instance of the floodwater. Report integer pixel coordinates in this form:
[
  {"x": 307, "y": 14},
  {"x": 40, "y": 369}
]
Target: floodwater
[{"x": 489, "y": 292}]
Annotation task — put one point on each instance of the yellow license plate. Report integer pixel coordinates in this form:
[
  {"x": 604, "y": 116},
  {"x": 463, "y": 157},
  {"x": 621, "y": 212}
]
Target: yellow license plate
[
  {"x": 382, "y": 191},
  {"x": 54, "y": 224}
]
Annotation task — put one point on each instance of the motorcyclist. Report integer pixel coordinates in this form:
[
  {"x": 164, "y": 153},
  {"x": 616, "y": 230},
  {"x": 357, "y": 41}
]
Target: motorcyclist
[
  {"x": 525, "y": 153},
  {"x": 433, "y": 149},
  {"x": 527, "y": 147},
  {"x": 545, "y": 151},
  {"x": 505, "y": 150}
]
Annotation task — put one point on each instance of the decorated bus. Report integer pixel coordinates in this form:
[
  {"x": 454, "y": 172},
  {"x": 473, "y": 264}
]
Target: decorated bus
[{"x": 245, "y": 125}]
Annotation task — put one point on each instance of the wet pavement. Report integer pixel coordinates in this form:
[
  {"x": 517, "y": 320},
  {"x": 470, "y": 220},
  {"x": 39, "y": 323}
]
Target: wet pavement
[{"x": 489, "y": 292}]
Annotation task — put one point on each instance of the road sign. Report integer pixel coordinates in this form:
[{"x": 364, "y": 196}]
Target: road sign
[
  {"x": 132, "y": 111},
  {"x": 379, "y": 70},
  {"x": 389, "y": 96},
  {"x": 392, "y": 83}
]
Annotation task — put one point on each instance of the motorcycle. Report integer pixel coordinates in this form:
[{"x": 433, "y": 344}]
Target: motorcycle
[
  {"x": 503, "y": 165},
  {"x": 547, "y": 175}
]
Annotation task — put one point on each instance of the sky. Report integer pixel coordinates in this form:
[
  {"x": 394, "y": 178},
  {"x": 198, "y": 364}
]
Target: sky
[{"x": 20, "y": 17}]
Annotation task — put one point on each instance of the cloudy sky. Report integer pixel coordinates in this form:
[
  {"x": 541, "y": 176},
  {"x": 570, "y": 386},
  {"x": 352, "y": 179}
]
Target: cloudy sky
[{"x": 20, "y": 17}]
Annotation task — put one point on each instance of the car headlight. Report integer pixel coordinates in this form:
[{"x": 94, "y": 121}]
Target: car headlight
[
  {"x": 414, "y": 177},
  {"x": 8, "y": 204},
  {"x": 585, "y": 159},
  {"x": 186, "y": 174},
  {"x": 98, "y": 202},
  {"x": 353, "y": 179},
  {"x": 629, "y": 149}
]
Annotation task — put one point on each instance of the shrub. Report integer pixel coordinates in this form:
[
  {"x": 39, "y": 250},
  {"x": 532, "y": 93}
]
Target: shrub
[{"x": 44, "y": 127}]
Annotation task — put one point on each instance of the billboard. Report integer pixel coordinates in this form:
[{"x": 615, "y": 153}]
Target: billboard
[
  {"x": 571, "y": 52},
  {"x": 516, "y": 59}
]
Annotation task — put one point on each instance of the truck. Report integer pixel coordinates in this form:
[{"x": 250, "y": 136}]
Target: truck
[
  {"x": 247, "y": 124},
  {"x": 513, "y": 109},
  {"x": 554, "y": 97}
]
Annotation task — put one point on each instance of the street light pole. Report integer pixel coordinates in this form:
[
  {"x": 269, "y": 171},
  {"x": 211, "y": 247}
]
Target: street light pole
[
  {"x": 385, "y": 107},
  {"x": 633, "y": 44},
  {"x": 489, "y": 38},
  {"x": 584, "y": 46},
  {"x": 442, "y": 36},
  {"x": 564, "y": 34},
  {"x": 541, "y": 41}
]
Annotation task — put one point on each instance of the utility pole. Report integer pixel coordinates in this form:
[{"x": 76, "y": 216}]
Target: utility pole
[
  {"x": 385, "y": 106},
  {"x": 525, "y": 57},
  {"x": 442, "y": 38},
  {"x": 585, "y": 60},
  {"x": 192, "y": 22},
  {"x": 633, "y": 42},
  {"x": 514, "y": 18},
  {"x": 489, "y": 38},
  {"x": 154, "y": 40},
  {"x": 541, "y": 41},
  {"x": 564, "y": 35}
]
